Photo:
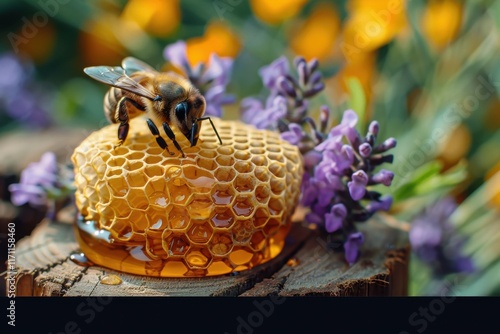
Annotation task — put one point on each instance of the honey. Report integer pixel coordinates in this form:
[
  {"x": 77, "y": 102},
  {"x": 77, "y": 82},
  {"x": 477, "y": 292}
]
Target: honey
[{"x": 220, "y": 210}]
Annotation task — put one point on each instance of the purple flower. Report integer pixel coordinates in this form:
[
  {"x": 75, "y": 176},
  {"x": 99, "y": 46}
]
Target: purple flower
[
  {"x": 365, "y": 150},
  {"x": 263, "y": 118},
  {"x": 347, "y": 127},
  {"x": 357, "y": 187},
  {"x": 36, "y": 180},
  {"x": 383, "y": 204},
  {"x": 273, "y": 71},
  {"x": 334, "y": 219},
  {"x": 211, "y": 80},
  {"x": 352, "y": 245},
  {"x": 384, "y": 177},
  {"x": 435, "y": 241},
  {"x": 294, "y": 134}
]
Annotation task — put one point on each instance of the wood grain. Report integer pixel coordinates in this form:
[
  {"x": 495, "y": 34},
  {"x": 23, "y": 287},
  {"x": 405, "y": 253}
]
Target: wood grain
[{"x": 44, "y": 269}]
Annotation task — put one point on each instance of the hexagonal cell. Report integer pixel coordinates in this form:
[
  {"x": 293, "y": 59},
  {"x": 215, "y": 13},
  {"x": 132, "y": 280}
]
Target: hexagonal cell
[
  {"x": 156, "y": 150},
  {"x": 244, "y": 166},
  {"x": 276, "y": 205},
  {"x": 116, "y": 161},
  {"x": 200, "y": 207},
  {"x": 258, "y": 241},
  {"x": 277, "y": 186},
  {"x": 261, "y": 173},
  {"x": 198, "y": 258},
  {"x": 180, "y": 194},
  {"x": 276, "y": 157},
  {"x": 243, "y": 206},
  {"x": 114, "y": 171},
  {"x": 198, "y": 178},
  {"x": 200, "y": 233},
  {"x": 176, "y": 245},
  {"x": 221, "y": 244},
  {"x": 225, "y": 174},
  {"x": 273, "y": 148},
  {"x": 242, "y": 231},
  {"x": 208, "y": 154},
  {"x": 153, "y": 170},
  {"x": 272, "y": 226},
  {"x": 259, "y": 160},
  {"x": 136, "y": 179},
  {"x": 257, "y": 151},
  {"x": 277, "y": 169},
  {"x": 262, "y": 193},
  {"x": 153, "y": 159},
  {"x": 225, "y": 150},
  {"x": 242, "y": 155},
  {"x": 260, "y": 217},
  {"x": 222, "y": 219},
  {"x": 137, "y": 199},
  {"x": 138, "y": 221},
  {"x": 174, "y": 269},
  {"x": 257, "y": 143},
  {"x": 240, "y": 256},
  {"x": 157, "y": 220},
  {"x": 178, "y": 218},
  {"x": 224, "y": 160},
  {"x": 244, "y": 183},
  {"x": 121, "y": 207},
  {"x": 206, "y": 163},
  {"x": 222, "y": 194},
  {"x": 118, "y": 185},
  {"x": 241, "y": 147},
  {"x": 135, "y": 155},
  {"x": 219, "y": 268}
]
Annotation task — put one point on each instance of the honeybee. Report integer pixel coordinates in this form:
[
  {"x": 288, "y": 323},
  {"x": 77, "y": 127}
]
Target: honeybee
[{"x": 164, "y": 97}]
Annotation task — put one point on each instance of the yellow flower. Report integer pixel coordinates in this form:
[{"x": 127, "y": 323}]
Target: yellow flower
[
  {"x": 455, "y": 146},
  {"x": 276, "y": 11},
  {"x": 218, "y": 38},
  {"x": 442, "y": 21},
  {"x": 492, "y": 179},
  {"x": 371, "y": 24},
  {"x": 316, "y": 36},
  {"x": 156, "y": 17}
]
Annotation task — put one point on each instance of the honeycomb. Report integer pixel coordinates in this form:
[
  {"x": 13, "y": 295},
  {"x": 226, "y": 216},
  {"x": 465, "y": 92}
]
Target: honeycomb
[{"x": 221, "y": 209}]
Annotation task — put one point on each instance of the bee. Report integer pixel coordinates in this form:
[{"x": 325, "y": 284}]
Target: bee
[{"x": 165, "y": 98}]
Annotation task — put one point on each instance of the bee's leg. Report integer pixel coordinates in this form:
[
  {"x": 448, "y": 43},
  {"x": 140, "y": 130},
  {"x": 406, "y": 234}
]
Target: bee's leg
[
  {"x": 171, "y": 135},
  {"x": 194, "y": 130},
  {"x": 159, "y": 139},
  {"x": 122, "y": 117}
]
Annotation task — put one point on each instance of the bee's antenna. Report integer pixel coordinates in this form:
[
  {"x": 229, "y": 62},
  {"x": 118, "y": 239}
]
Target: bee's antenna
[{"x": 213, "y": 126}]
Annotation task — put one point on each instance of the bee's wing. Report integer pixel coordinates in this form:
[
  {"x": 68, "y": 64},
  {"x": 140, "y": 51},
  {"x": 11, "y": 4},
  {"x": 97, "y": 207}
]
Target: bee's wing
[
  {"x": 116, "y": 77},
  {"x": 131, "y": 65}
]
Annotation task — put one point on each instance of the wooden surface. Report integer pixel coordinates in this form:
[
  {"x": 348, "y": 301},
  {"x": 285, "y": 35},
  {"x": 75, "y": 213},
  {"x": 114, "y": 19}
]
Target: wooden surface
[{"x": 305, "y": 267}]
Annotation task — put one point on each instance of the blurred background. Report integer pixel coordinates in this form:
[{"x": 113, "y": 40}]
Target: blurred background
[{"x": 428, "y": 71}]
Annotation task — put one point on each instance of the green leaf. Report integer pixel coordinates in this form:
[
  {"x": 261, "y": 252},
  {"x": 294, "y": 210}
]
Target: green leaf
[{"x": 357, "y": 101}]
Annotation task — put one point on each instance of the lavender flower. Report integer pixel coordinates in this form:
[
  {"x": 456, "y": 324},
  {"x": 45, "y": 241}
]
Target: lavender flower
[
  {"x": 435, "y": 241},
  {"x": 20, "y": 97},
  {"x": 41, "y": 181},
  {"x": 340, "y": 165},
  {"x": 211, "y": 80}
]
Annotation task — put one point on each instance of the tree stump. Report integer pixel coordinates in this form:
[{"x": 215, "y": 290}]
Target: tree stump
[{"x": 305, "y": 267}]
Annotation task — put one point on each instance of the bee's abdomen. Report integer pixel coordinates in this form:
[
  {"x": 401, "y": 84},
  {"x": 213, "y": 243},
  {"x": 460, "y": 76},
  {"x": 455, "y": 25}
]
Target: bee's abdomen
[{"x": 110, "y": 101}]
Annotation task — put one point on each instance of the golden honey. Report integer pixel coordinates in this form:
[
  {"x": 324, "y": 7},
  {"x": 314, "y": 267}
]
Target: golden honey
[{"x": 221, "y": 209}]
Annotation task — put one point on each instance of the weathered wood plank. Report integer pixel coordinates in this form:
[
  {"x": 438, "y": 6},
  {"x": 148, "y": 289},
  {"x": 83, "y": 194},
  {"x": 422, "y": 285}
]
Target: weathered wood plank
[
  {"x": 382, "y": 269},
  {"x": 44, "y": 257},
  {"x": 44, "y": 269}
]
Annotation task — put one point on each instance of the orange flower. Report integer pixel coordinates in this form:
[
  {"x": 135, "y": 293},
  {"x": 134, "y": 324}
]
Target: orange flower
[
  {"x": 455, "y": 146},
  {"x": 371, "y": 24},
  {"x": 40, "y": 47},
  {"x": 442, "y": 21},
  {"x": 98, "y": 42},
  {"x": 156, "y": 17},
  {"x": 316, "y": 36},
  {"x": 492, "y": 179},
  {"x": 218, "y": 38},
  {"x": 275, "y": 12}
]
